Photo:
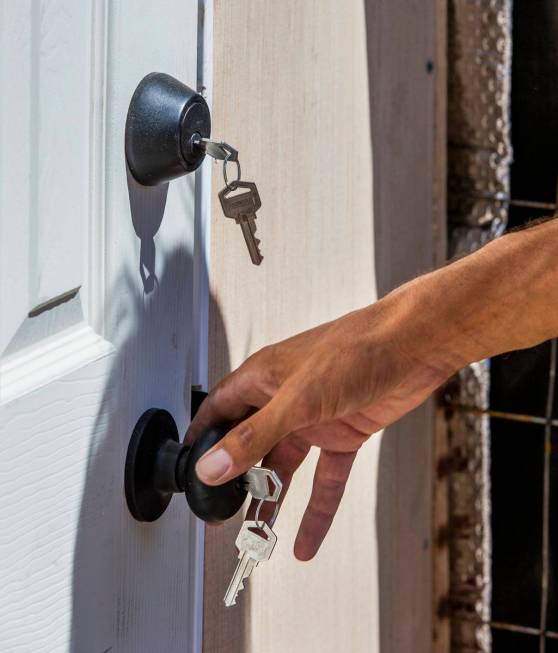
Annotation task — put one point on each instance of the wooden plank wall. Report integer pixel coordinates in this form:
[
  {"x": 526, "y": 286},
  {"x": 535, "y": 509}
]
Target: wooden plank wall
[
  {"x": 291, "y": 91},
  {"x": 407, "y": 71}
]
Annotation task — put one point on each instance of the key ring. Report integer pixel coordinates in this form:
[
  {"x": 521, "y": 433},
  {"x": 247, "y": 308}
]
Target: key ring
[
  {"x": 257, "y": 515},
  {"x": 238, "y": 172},
  {"x": 220, "y": 151}
]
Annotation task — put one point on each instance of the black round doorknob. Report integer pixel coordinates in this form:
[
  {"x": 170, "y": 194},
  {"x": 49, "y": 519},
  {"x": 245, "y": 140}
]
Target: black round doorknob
[
  {"x": 165, "y": 120},
  {"x": 158, "y": 466}
]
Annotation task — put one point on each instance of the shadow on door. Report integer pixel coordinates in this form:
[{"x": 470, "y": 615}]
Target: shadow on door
[{"x": 132, "y": 586}]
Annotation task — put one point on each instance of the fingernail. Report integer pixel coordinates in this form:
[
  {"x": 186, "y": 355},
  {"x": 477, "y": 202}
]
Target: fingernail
[{"x": 213, "y": 465}]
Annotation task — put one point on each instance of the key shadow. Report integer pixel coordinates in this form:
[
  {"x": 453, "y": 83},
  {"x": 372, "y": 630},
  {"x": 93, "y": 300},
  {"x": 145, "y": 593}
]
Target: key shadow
[
  {"x": 133, "y": 583},
  {"x": 147, "y": 207}
]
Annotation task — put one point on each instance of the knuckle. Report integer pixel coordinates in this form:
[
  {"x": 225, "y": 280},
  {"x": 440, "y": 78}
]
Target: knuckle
[
  {"x": 332, "y": 485},
  {"x": 267, "y": 360},
  {"x": 246, "y": 434},
  {"x": 299, "y": 447},
  {"x": 319, "y": 510},
  {"x": 213, "y": 397},
  {"x": 245, "y": 442}
]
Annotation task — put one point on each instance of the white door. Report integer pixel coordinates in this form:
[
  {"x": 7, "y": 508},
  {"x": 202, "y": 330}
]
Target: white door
[{"x": 98, "y": 313}]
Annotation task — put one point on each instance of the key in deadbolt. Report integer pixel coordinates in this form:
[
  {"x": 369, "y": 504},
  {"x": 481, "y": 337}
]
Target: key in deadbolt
[
  {"x": 158, "y": 466},
  {"x": 167, "y": 136}
]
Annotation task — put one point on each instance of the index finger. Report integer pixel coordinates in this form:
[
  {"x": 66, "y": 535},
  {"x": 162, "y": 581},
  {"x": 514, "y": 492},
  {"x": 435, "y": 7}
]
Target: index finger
[{"x": 232, "y": 399}]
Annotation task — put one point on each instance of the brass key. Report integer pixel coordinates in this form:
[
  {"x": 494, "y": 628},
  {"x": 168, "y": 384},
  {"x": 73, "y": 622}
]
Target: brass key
[{"x": 242, "y": 208}]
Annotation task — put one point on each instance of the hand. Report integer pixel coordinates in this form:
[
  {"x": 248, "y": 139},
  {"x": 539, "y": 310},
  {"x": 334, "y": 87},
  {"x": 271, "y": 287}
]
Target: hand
[{"x": 331, "y": 387}]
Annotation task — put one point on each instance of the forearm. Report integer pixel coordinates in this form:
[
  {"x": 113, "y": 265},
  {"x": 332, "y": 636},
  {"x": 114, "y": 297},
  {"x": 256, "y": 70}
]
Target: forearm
[{"x": 501, "y": 298}]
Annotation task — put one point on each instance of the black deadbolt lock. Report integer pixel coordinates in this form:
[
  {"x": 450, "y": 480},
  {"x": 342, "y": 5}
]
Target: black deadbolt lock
[
  {"x": 159, "y": 465},
  {"x": 165, "y": 120}
]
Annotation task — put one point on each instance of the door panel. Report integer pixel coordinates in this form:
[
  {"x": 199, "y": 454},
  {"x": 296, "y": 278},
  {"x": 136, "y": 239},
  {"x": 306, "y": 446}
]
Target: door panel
[
  {"x": 48, "y": 148},
  {"x": 97, "y": 319},
  {"x": 60, "y": 89}
]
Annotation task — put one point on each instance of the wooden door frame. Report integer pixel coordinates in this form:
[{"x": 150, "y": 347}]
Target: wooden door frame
[{"x": 201, "y": 298}]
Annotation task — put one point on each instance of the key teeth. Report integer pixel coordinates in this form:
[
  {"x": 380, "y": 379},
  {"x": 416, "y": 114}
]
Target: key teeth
[{"x": 238, "y": 590}]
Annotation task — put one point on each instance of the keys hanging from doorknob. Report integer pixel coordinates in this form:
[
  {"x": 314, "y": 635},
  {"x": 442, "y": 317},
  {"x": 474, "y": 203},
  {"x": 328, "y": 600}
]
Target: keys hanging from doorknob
[{"x": 158, "y": 466}]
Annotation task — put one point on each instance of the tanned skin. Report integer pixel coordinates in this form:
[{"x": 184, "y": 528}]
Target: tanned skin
[{"x": 334, "y": 386}]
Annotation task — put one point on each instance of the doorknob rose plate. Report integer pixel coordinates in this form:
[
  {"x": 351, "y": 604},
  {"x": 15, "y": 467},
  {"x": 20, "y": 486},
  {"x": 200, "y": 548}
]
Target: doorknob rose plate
[
  {"x": 164, "y": 119},
  {"x": 158, "y": 466},
  {"x": 149, "y": 487}
]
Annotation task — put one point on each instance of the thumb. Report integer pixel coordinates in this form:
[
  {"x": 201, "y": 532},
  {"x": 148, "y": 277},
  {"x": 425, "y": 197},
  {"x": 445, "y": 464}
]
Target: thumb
[{"x": 245, "y": 444}]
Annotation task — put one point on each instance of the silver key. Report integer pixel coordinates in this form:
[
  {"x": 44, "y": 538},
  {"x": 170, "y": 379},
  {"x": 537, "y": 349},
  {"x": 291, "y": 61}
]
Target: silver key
[
  {"x": 253, "y": 548},
  {"x": 218, "y": 150},
  {"x": 242, "y": 208},
  {"x": 263, "y": 484}
]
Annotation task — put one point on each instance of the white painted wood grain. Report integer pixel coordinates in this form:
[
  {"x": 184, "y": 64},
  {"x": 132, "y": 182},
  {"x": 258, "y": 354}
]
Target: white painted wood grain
[
  {"x": 59, "y": 131},
  {"x": 50, "y": 95},
  {"x": 45, "y": 150},
  {"x": 15, "y": 153},
  {"x": 51, "y": 358},
  {"x": 49, "y": 440}
]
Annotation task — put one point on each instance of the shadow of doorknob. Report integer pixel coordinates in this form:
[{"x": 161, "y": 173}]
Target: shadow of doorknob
[
  {"x": 165, "y": 120},
  {"x": 158, "y": 465}
]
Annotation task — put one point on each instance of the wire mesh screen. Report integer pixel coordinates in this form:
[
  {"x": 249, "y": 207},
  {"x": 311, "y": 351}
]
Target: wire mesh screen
[
  {"x": 479, "y": 153},
  {"x": 479, "y": 157},
  {"x": 503, "y": 422}
]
